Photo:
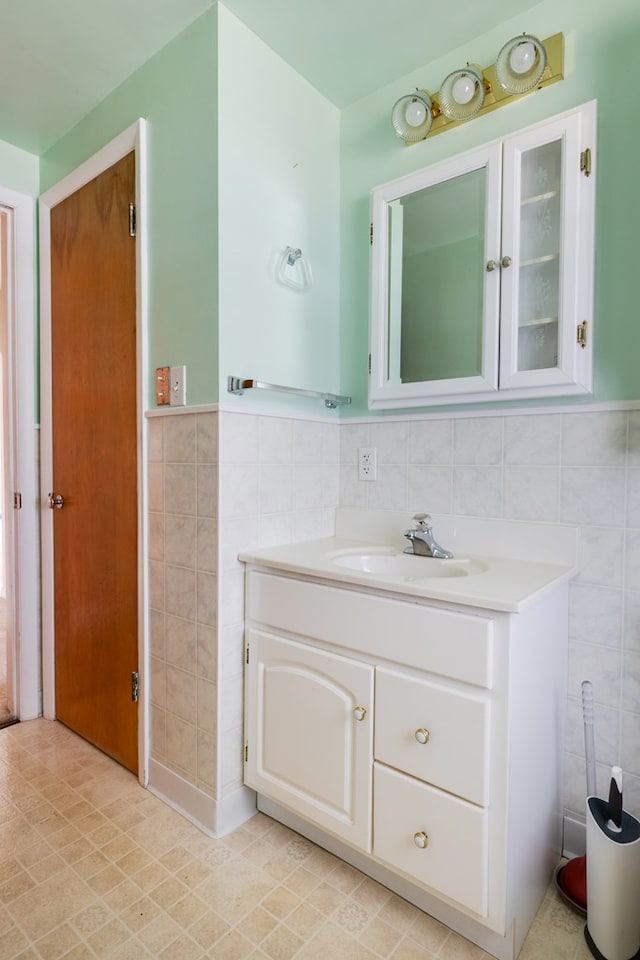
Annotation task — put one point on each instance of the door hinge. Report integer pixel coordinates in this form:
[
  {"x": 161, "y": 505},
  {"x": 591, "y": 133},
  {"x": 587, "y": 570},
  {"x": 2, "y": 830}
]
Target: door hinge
[
  {"x": 581, "y": 337},
  {"x": 371, "y": 234},
  {"x": 17, "y": 501},
  {"x": 585, "y": 162},
  {"x": 246, "y": 656},
  {"x": 369, "y": 363},
  {"x": 132, "y": 220},
  {"x": 135, "y": 686},
  {"x": 246, "y": 752}
]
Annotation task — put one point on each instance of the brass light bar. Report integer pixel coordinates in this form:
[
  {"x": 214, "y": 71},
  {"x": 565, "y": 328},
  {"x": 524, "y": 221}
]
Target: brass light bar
[{"x": 495, "y": 96}]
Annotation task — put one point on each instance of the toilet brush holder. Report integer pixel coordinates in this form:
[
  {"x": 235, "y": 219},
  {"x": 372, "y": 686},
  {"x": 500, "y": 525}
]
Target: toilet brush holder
[{"x": 613, "y": 884}]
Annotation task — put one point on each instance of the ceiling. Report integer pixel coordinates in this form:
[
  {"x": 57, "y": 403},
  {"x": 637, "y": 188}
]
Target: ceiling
[{"x": 59, "y": 59}]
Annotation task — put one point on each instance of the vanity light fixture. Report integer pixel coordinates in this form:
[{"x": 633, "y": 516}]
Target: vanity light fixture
[
  {"x": 523, "y": 64},
  {"x": 412, "y": 116}
]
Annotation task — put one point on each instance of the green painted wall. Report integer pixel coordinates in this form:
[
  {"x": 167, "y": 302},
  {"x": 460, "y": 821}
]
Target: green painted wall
[
  {"x": 600, "y": 63},
  {"x": 19, "y": 170},
  {"x": 279, "y": 186},
  {"x": 176, "y": 91}
]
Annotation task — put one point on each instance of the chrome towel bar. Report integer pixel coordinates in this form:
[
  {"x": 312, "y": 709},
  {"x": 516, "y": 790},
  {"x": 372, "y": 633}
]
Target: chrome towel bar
[{"x": 237, "y": 386}]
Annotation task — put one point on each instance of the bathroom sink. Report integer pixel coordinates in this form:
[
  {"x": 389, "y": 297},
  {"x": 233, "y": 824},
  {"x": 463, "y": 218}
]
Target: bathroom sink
[{"x": 407, "y": 566}]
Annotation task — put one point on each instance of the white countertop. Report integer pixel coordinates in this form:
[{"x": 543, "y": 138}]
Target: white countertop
[{"x": 505, "y": 583}]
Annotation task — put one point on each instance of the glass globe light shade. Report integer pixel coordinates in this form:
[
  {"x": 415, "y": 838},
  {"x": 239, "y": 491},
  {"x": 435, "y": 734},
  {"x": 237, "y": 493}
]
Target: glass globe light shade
[
  {"x": 412, "y": 116},
  {"x": 462, "y": 93},
  {"x": 520, "y": 64}
]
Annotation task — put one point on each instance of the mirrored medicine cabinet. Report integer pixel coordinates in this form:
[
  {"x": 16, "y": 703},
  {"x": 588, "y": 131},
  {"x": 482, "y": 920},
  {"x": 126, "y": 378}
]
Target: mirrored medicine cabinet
[{"x": 482, "y": 272}]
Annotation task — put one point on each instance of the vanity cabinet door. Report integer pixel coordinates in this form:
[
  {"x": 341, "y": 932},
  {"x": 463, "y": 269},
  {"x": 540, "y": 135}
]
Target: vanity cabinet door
[{"x": 309, "y": 733}]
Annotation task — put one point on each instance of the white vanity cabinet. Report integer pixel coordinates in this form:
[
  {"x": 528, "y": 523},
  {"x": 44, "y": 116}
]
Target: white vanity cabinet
[
  {"x": 419, "y": 740},
  {"x": 482, "y": 271}
]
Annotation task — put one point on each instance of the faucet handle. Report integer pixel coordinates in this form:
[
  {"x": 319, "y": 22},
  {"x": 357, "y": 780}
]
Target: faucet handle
[{"x": 423, "y": 520}]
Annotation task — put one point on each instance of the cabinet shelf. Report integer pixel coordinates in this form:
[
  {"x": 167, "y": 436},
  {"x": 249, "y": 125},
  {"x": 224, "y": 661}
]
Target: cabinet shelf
[
  {"x": 539, "y": 198},
  {"x": 534, "y": 261},
  {"x": 537, "y": 322}
]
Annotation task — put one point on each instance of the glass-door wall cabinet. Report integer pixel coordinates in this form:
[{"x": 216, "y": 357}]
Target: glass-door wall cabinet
[{"x": 482, "y": 272}]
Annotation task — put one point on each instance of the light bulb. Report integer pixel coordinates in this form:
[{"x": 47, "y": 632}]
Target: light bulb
[
  {"x": 416, "y": 113},
  {"x": 464, "y": 89},
  {"x": 522, "y": 57}
]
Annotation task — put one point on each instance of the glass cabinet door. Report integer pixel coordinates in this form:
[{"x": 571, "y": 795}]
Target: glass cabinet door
[{"x": 541, "y": 300}]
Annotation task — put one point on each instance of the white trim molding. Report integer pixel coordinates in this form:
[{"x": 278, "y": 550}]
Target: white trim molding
[
  {"x": 21, "y": 443},
  {"x": 216, "y": 818}
]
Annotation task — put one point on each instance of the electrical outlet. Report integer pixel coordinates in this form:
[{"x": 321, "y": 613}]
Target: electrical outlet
[
  {"x": 367, "y": 463},
  {"x": 177, "y": 386}
]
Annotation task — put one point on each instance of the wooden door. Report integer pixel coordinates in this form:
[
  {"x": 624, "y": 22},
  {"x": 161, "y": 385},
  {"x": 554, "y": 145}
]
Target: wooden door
[{"x": 93, "y": 360}]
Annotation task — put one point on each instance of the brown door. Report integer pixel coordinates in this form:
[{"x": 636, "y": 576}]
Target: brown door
[{"x": 93, "y": 359}]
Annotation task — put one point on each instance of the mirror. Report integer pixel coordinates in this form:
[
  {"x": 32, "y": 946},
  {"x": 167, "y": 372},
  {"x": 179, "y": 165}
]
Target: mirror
[{"x": 436, "y": 266}]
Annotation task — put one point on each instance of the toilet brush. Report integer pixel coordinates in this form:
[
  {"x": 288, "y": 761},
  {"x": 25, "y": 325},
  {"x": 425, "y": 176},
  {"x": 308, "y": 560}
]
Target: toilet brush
[{"x": 571, "y": 878}]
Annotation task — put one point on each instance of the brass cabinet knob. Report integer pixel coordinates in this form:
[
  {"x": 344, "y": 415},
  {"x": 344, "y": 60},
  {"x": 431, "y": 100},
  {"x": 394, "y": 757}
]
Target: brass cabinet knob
[
  {"x": 359, "y": 712},
  {"x": 421, "y": 840},
  {"x": 422, "y": 735},
  {"x": 505, "y": 262},
  {"x": 491, "y": 266}
]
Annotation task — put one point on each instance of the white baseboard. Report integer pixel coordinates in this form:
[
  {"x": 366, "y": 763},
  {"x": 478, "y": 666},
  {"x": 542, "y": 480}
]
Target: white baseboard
[
  {"x": 216, "y": 818},
  {"x": 574, "y": 840}
]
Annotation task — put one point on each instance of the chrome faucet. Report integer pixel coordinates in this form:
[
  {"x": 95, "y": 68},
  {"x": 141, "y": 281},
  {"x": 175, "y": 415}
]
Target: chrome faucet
[{"x": 421, "y": 542}]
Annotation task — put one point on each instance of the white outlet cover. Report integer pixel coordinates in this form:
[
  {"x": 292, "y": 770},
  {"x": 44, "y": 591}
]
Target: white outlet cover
[{"x": 367, "y": 463}]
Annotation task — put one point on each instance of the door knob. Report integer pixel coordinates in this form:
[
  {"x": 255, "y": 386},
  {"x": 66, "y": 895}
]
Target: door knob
[{"x": 55, "y": 500}]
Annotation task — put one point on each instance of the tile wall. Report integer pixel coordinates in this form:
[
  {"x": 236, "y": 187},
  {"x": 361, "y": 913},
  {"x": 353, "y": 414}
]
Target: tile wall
[
  {"x": 281, "y": 479},
  {"x": 183, "y": 550},
  {"x": 279, "y": 482}
]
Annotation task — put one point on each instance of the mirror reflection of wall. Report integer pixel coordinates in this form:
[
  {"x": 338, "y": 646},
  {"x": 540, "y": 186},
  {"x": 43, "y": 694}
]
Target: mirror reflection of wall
[{"x": 435, "y": 310}]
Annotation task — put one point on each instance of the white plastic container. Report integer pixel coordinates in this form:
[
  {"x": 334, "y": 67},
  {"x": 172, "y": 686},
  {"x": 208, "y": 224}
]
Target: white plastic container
[{"x": 613, "y": 884}]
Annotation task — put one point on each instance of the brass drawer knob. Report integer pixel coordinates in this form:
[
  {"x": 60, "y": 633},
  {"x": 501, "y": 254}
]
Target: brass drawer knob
[
  {"x": 422, "y": 735},
  {"x": 421, "y": 840},
  {"x": 359, "y": 712}
]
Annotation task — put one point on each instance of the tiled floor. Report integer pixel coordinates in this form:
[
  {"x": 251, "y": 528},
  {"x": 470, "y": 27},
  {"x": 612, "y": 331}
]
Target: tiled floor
[{"x": 92, "y": 865}]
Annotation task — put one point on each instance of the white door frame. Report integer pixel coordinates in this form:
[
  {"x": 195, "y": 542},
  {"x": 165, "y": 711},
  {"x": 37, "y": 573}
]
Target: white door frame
[
  {"x": 21, "y": 526},
  {"x": 134, "y": 138}
]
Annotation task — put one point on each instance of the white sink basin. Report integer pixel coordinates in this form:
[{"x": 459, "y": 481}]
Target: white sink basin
[{"x": 407, "y": 566}]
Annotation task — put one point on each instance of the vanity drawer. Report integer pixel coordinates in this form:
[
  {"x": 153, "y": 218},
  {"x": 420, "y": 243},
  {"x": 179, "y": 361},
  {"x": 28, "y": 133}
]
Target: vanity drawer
[
  {"x": 454, "y": 724},
  {"x": 457, "y": 645},
  {"x": 455, "y": 860}
]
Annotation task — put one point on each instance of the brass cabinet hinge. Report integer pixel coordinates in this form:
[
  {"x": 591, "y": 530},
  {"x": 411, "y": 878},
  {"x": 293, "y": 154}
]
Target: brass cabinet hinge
[
  {"x": 369, "y": 363},
  {"x": 246, "y": 656},
  {"x": 135, "y": 686},
  {"x": 371, "y": 234},
  {"x": 17, "y": 501},
  {"x": 246, "y": 752},
  {"x": 585, "y": 162},
  {"x": 132, "y": 219},
  {"x": 581, "y": 337}
]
